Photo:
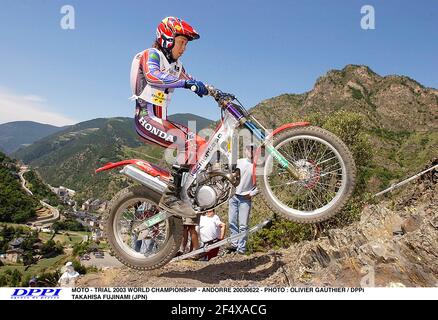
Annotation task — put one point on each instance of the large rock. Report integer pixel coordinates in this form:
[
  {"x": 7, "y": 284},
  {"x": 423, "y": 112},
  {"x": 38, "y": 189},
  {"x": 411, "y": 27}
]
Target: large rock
[{"x": 371, "y": 253}]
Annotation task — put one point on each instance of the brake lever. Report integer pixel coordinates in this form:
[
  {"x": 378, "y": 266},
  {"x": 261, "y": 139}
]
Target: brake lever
[
  {"x": 219, "y": 96},
  {"x": 231, "y": 96}
]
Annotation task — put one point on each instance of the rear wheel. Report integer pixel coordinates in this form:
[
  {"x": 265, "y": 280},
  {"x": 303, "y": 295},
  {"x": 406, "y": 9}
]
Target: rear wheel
[
  {"x": 147, "y": 249},
  {"x": 329, "y": 175}
]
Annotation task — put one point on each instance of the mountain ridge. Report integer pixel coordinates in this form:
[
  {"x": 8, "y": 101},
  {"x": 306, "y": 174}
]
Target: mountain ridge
[
  {"x": 16, "y": 134},
  {"x": 358, "y": 88}
]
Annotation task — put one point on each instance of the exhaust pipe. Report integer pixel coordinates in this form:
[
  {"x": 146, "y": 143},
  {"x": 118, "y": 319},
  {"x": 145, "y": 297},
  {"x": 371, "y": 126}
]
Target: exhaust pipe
[{"x": 145, "y": 179}]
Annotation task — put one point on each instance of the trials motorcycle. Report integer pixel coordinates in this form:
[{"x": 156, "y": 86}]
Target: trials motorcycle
[{"x": 304, "y": 173}]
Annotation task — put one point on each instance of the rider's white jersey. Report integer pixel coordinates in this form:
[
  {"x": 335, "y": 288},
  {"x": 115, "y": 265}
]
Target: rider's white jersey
[{"x": 153, "y": 78}]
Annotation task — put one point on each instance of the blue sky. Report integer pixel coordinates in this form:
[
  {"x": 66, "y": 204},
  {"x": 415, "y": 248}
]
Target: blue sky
[{"x": 255, "y": 49}]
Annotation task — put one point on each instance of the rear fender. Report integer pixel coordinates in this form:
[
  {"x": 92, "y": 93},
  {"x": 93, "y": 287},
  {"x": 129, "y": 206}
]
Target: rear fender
[{"x": 143, "y": 165}]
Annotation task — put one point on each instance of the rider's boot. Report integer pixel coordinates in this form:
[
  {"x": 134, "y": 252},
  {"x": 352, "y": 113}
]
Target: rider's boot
[{"x": 171, "y": 202}]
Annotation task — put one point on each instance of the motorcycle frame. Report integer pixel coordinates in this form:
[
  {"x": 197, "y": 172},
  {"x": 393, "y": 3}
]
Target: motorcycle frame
[{"x": 224, "y": 139}]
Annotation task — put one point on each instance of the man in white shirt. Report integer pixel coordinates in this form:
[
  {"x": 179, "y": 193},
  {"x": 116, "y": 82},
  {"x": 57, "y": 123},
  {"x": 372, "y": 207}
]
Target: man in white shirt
[
  {"x": 240, "y": 204},
  {"x": 211, "y": 229}
]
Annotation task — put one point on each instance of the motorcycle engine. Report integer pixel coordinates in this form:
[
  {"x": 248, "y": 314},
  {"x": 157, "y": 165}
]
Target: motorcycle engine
[
  {"x": 207, "y": 196},
  {"x": 213, "y": 186}
]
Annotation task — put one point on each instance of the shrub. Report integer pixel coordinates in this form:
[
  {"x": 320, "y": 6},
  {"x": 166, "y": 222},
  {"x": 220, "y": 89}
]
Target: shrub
[
  {"x": 281, "y": 234},
  {"x": 357, "y": 94},
  {"x": 79, "y": 267},
  {"x": 349, "y": 127}
]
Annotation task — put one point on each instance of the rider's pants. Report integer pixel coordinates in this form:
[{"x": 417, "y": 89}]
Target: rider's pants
[{"x": 167, "y": 134}]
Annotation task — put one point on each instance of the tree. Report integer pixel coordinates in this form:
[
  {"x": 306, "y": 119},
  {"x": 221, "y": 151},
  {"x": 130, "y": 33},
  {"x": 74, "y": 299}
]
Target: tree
[
  {"x": 28, "y": 258},
  {"x": 81, "y": 248},
  {"x": 15, "y": 205},
  {"x": 68, "y": 224},
  {"x": 52, "y": 248},
  {"x": 49, "y": 279},
  {"x": 10, "y": 278}
]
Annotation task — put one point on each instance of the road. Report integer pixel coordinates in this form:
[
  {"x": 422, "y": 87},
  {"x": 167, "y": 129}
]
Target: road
[
  {"x": 23, "y": 170},
  {"x": 40, "y": 221},
  {"x": 54, "y": 216},
  {"x": 108, "y": 261}
]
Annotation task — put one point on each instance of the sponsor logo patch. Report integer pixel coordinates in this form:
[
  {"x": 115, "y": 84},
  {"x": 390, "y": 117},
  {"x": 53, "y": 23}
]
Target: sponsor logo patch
[
  {"x": 158, "y": 97},
  {"x": 157, "y": 132}
]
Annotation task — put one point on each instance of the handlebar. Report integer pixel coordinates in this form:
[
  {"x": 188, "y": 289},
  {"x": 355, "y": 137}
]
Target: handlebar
[
  {"x": 217, "y": 94},
  {"x": 224, "y": 99},
  {"x": 221, "y": 97}
]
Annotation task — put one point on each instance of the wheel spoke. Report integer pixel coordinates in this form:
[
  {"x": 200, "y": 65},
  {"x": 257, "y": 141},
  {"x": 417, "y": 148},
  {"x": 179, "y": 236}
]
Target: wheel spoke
[
  {"x": 323, "y": 154},
  {"x": 331, "y": 172},
  {"x": 332, "y": 165},
  {"x": 305, "y": 149},
  {"x": 311, "y": 149},
  {"x": 285, "y": 184},
  {"x": 316, "y": 197},
  {"x": 320, "y": 163}
]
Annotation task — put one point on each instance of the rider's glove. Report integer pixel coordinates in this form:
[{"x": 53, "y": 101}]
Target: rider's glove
[{"x": 197, "y": 87}]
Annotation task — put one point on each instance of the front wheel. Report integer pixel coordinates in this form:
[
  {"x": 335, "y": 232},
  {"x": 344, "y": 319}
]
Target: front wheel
[
  {"x": 328, "y": 169},
  {"x": 146, "y": 249}
]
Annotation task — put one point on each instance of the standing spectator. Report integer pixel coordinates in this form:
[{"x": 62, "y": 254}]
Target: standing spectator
[
  {"x": 211, "y": 230},
  {"x": 240, "y": 204},
  {"x": 189, "y": 229},
  {"x": 68, "y": 278}
]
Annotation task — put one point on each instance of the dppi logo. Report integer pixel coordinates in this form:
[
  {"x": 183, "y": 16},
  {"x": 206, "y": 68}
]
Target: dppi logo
[{"x": 36, "y": 293}]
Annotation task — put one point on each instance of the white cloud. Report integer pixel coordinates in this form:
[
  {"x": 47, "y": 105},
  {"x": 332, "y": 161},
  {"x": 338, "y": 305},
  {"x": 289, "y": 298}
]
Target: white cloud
[
  {"x": 15, "y": 107},
  {"x": 34, "y": 98}
]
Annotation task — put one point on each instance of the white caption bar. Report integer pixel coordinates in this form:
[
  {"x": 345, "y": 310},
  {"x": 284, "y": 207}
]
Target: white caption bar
[{"x": 245, "y": 293}]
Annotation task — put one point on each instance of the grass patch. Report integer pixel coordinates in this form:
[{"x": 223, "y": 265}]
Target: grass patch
[
  {"x": 42, "y": 266},
  {"x": 14, "y": 225},
  {"x": 398, "y": 136},
  {"x": 70, "y": 239}
]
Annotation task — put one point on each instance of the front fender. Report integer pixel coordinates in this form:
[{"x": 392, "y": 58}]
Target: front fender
[{"x": 270, "y": 137}]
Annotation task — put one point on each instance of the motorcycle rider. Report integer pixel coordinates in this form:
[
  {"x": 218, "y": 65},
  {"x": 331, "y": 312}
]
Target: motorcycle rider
[{"x": 155, "y": 73}]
